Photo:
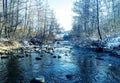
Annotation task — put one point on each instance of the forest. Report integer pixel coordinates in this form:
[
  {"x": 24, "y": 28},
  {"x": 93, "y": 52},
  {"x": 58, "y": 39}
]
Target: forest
[
  {"x": 23, "y": 19},
  {"x": 96, "y": 18},
  {"x": 36, "y": 48}
]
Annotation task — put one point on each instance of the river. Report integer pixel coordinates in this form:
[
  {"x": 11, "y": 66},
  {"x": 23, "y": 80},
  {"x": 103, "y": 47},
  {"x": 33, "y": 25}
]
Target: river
[{"x": 68, "y": 64}]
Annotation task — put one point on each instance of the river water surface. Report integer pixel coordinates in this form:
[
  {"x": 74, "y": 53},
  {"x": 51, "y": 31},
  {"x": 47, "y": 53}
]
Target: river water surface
[{"x": 68, "y": 64}]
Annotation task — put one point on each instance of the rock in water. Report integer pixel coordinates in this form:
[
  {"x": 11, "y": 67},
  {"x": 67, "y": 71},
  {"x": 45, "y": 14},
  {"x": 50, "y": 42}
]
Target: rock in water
[
  {"x": 59, "y": 56},
  {"x": 51, "y": 53},
  {"x": 38, "y": 58},
  {"x": 99, "y": 58},
  {"x": 69, "y": 77},
  {"x": 54, "y": 56},
  {"x": 109, "y": 65},
  {"x": 4, "y": 57},
  {"x": 40, "y": 79},
  {"x": 66, "y": 54},
  {"x": 27, "y": 55},
  {"x": 35, "y": 81}
]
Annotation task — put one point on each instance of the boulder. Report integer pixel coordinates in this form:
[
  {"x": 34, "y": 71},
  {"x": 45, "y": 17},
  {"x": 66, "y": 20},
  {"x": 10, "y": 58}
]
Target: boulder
[{"x": 36, "y": 41}]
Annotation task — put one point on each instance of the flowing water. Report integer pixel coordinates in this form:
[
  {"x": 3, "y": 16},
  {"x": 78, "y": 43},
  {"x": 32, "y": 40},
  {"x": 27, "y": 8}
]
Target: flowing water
[{"x": 67, "y": 64}]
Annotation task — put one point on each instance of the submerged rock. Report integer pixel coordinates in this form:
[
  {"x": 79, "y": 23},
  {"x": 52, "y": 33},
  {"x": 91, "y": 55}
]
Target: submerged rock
[
  {"x": 69, "y": 76},
  {"x": 109, "y": 65},
  {"x": 41, "y": 55},
  {"x": 99, "y": 58},
  {"x": 59, "y": 56},
  {"x": 66, "y": 54}
]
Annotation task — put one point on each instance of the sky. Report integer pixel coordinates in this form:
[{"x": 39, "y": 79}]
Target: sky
[{"x": 63, "y": 12}]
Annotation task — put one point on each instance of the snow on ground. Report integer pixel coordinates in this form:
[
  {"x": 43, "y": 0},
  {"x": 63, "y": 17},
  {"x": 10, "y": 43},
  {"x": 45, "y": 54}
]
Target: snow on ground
[{"x": 112, "y": 42}]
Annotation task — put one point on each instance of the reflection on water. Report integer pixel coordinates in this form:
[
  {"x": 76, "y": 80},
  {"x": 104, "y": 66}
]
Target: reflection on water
[
  {"x": 79, "y": 64},
  {"x": 14, "y": 71},
  {"x": 10, "y": 71}
]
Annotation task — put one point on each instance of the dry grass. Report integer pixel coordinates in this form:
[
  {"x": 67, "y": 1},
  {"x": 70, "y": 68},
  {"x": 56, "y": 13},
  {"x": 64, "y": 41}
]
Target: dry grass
[{"x": 9, "y": 45}]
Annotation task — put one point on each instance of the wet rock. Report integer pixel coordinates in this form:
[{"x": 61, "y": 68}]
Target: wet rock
[
  {"x": 21, "y": 81},
  {"x": 90, "y": 56},
  {"x": 35, "y": 81},
  {"x": 8, "y": 53},
  {"x": 51, "y": 53},
  {"x": 66, "y": 54},
  {"x": 1, "y": 53},
  {"x": 37, "y": 50},
  {"x": 109, "y": 65},
  {"x": 99, "y": 49},
  {"x": 99, "y": 58},
  {"x": 41, "y": 55},
  {"x": 59, "y": 56},
  {"x": 54, "y": 56},
  {"x": 38, "y": 58},
  {"x": 69, "y": 76},
  {"x": 52, "y": 75},
  {"x": 20, "y": 56},
  {"x": 36, "y": 41},
  {"x": 58, "y": 42},
  {"x": 4, "y": 57},
  {"x": 40, "y": 79},
  {"x": 26, "y": 55},
  {"x": 52, "y": 49},
  {"x": 48, "y": 52},
  {"x": 69, "y": 51}
]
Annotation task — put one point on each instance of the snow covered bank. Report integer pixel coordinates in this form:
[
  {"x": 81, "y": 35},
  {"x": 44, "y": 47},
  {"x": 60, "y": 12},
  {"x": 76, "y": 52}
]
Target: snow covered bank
[{"x": 110, "y": 44}]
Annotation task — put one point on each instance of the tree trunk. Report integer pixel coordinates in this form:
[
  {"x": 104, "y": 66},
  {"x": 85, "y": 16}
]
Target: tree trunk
[{"x": 98, "y": 27}]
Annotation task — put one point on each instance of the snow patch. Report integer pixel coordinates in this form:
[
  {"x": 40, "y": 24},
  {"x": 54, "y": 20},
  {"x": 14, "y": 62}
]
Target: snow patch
[{"x": 112, "y": 42}]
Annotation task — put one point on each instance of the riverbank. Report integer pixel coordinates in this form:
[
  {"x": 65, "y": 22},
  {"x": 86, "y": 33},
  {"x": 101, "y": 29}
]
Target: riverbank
[
  {"x": 8, "y": 45},
  {"x": 23, "y": 46},
  {"x": 109, "y": 44}
]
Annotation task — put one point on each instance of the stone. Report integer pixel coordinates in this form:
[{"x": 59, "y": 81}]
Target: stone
[
  {"x": 109, "y": 65},
  {"x": 66, "y": 54},
  {"x": 99, "y": 58},
  {"x": 69, "y": 77},
  {"x": 27, "y": 54},
  {"x": 59, "y": 56},
  {"x": 38, "y": 58},
  {"x": 20, "y": 56},
  {"x": 54, "y": 56},
  {"x": 51, "y": 53},
  {"x": 4, "y": 57},
  {"x": 40, "y": 79}
]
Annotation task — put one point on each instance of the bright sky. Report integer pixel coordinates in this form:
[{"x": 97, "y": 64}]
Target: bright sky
[{"x": 63, "y": 12}]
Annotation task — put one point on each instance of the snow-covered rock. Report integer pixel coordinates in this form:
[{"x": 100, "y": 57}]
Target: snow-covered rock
[{"x": 112, "y": 42}]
